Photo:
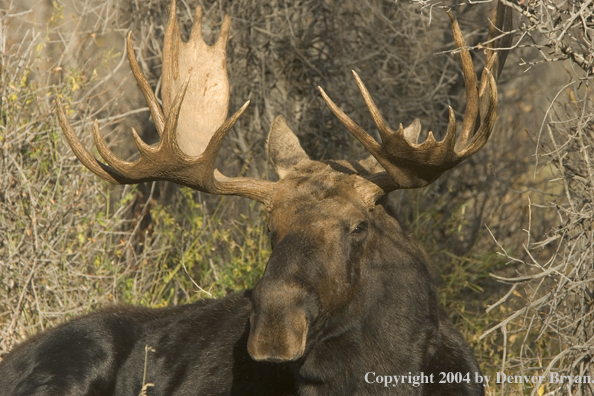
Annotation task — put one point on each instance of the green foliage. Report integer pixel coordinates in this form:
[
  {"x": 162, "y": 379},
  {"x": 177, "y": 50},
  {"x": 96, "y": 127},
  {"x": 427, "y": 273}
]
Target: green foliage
[{"x": 220, "y": 256}]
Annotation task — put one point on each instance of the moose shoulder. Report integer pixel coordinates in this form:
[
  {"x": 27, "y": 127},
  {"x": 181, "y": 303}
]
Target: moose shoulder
[{"x": 346, "y": 300}]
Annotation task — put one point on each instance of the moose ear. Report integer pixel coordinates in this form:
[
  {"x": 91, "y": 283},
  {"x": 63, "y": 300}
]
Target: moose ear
[{"x": 282, "y": 148}]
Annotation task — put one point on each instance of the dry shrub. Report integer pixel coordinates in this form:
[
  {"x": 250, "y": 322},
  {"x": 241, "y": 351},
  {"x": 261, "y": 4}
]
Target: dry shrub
[
  {"x": 61, "y": 244},
  {"x": 549, "y": 326}
]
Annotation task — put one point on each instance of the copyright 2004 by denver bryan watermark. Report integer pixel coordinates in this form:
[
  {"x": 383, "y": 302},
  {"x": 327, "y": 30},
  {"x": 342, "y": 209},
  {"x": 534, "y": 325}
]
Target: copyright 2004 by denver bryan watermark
[{"x": 417, "y": 379}]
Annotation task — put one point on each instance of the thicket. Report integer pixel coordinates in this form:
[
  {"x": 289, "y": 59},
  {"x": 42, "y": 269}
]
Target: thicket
[
  {"x": 550, "y": 328},
  {"x": 519, "y": 212}
]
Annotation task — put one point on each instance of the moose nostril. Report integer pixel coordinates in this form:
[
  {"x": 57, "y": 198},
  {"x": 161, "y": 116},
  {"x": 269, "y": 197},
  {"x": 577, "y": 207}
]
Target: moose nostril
[{"x": 274, "y": 360}]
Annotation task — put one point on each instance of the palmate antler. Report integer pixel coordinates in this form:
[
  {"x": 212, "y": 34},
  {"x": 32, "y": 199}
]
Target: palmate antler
[
  {"x": 193, "y": 122},
  {"x": 191, "y": 125},
  {"x": 409, "y": 164}
]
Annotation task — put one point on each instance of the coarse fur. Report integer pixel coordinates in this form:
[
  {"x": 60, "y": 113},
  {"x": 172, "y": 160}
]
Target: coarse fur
[{"x": 191, "y": 349}]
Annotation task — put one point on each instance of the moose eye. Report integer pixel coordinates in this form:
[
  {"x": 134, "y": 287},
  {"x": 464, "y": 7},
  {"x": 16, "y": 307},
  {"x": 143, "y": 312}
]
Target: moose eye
[{"x": 359, "y": 229}]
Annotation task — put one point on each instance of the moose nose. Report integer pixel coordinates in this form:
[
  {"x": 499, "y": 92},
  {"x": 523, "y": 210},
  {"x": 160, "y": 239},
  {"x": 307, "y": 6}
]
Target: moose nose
[
  {"x": 279, "y": 324},
  {"x": 279, "y": 342}
]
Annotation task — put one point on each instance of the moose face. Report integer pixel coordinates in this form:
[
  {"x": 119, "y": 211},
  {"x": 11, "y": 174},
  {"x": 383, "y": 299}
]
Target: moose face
[
  {"x": 319, "y": 227},
  {"x": 319, "y": 236}
]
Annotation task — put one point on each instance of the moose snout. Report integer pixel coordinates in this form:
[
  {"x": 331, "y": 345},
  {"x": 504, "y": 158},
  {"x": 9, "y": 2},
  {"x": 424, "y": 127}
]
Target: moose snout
[
  {"x": 277, "y": 338},
  {"x": 284, "y": 303},
  {"x": 279, "y": 322}
]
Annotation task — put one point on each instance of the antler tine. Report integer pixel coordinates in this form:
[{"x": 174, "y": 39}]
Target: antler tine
[
  {"x": 410, "y": 164},
  {"x": 470, "y": 82},
  {"x": 484, "y": 132},
  {"x": 167, "y": 149},
  {"x": 84, "y": 156},
  {"x": 368, "y": 142},
  {"x": 144, "y": 85},
  {"x": 385, "y": 131}
]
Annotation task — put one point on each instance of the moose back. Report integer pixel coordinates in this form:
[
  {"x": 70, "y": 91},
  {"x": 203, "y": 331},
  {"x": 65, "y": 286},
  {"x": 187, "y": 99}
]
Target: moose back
[{"x": 346, "y": 300}]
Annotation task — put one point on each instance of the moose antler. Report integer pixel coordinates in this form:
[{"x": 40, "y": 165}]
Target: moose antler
[
  {"x": 195, "y": 101},
  {"x": 409, "y": 164},
  {"x": 193, "y": 122}
]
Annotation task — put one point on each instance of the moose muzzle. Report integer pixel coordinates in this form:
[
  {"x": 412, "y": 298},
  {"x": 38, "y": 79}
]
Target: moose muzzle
[
  {"x": 277, "y": 334},
  {"x": 284, "y": 307}
]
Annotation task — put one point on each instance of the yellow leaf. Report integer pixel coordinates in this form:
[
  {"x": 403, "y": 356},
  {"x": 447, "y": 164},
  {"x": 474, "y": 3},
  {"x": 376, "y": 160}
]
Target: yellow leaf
[{"x": 541, "y": 390}]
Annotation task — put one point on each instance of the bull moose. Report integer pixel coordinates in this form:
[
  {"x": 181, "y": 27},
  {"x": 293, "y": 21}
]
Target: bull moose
[{"x": 346, "y": 305}]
